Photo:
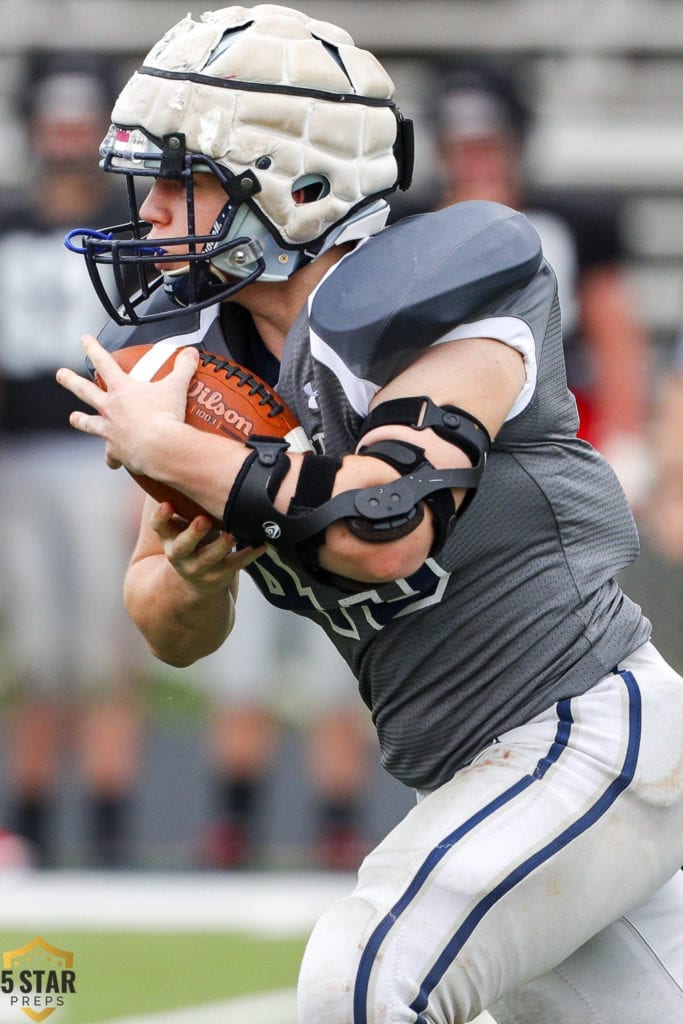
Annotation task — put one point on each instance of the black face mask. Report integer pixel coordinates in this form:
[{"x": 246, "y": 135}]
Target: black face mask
[{"x": 132, "y": 259}]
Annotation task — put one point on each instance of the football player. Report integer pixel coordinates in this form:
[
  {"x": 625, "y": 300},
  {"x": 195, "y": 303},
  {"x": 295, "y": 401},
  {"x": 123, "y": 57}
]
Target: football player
[{"x": 450, "y": 534}]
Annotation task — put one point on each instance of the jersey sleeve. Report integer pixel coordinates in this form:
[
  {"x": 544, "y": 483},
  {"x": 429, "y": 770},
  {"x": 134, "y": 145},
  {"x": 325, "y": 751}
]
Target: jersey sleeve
[
  {"x": 408, "y": 287},
  {"x": 518, "y": 319}
]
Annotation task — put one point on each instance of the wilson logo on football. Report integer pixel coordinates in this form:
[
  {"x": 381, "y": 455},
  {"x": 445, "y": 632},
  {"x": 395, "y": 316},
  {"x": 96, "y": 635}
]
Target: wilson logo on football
[
  {"x": 213, "y": 403},
  {"x": 224, "y": 399}
]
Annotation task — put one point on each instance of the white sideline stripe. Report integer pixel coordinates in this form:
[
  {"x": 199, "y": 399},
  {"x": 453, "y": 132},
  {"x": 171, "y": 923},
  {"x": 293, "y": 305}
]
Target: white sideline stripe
[
  {"x": 277, "y": 1007},
  {"x": 266, "y": 904}
]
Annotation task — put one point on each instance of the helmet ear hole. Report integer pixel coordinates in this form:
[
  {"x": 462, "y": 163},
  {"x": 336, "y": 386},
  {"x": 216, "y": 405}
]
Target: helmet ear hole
[{"x": 309, "y": 188}]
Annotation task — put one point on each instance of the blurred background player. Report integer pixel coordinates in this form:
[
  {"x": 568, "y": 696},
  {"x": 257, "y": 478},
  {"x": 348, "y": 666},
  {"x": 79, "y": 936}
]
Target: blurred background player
[
  {"x": 73, "y": 657},
  {"x": 482, "y": 128},
  {"x": 655, "y": 579},
  {"x": 278, "y": 670}
]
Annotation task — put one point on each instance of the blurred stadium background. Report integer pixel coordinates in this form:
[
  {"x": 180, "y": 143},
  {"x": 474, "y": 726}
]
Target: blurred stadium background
[{"x": 606, "y": 81}]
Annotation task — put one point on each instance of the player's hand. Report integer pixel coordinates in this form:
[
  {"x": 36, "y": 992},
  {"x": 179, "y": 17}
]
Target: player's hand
[
  {"x": 130, "y": 415},
  {"x": 200, "y": 554}
]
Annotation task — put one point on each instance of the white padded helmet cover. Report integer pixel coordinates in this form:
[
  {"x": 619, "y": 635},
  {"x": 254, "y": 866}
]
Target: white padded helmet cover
[{"x": 349, "y": 143}]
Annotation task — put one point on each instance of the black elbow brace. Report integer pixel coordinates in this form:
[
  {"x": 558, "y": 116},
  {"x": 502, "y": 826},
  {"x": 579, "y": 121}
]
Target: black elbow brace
[
  {"x": 253, "y": 519},
  {"x": 381, "y": 513},
  {"x": 452, "y": 424}
]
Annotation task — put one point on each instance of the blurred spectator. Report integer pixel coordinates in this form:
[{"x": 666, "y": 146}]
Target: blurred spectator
[
  {"x": 14, "y": 853},
  {"x": 277, "y": 669},
  {"x": 74, "y": 659},
  {"x": 482, "y": 129},
  {"x": 678, "y": 355},
  {"x": 655, "y": 580}
]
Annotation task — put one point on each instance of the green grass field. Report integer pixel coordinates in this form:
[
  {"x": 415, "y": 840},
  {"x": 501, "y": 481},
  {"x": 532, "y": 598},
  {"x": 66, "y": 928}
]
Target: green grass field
[
  {"x": 158, "y": 948},
  {"x": 121, "y": 974}
]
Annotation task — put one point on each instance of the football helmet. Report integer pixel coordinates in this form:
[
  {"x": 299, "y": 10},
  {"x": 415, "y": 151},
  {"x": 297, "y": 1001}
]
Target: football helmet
[{"x": 296, "y": 123}]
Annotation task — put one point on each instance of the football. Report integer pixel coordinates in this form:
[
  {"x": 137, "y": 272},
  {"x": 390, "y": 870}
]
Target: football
[{"x": 223, "y": 398}]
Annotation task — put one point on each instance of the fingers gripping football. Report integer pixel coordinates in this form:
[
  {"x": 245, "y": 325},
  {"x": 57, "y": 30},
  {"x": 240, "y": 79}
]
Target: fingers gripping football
[
  {"x": 217, "y": 396},
  {"x": 124, "y": 407},
  {"x": 203, "y": 557}
]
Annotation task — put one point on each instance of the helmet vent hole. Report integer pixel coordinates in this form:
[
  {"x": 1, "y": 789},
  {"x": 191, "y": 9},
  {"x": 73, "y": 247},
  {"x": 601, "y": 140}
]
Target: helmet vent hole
[
  {"x": 310, "y": 188},
  {"x": 336, "y": 57},
  {"x": 228, "y": 38}
]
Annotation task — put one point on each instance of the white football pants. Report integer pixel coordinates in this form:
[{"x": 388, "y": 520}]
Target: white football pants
[{"x": 551, "y": 835}]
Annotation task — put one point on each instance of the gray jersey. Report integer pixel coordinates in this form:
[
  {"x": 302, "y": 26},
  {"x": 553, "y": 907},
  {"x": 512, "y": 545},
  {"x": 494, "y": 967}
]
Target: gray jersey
[{"x": 520, "y": 608}]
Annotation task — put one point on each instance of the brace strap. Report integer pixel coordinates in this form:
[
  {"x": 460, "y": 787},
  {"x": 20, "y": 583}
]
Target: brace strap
[{"x": 449, "y": 422}]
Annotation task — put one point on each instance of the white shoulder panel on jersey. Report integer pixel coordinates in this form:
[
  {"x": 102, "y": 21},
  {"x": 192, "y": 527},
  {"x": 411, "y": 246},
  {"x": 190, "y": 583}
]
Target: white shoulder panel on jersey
[{"x": 197, "y": 327}]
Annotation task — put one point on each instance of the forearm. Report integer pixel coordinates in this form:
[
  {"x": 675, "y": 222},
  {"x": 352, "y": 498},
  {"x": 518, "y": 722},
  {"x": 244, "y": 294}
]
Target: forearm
[
  {"x": 201, "y": 465},
  {"x": 179, "y": 622},
  {"x": 205, "y": 468},
  {"x": 483, "y": 376}
]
